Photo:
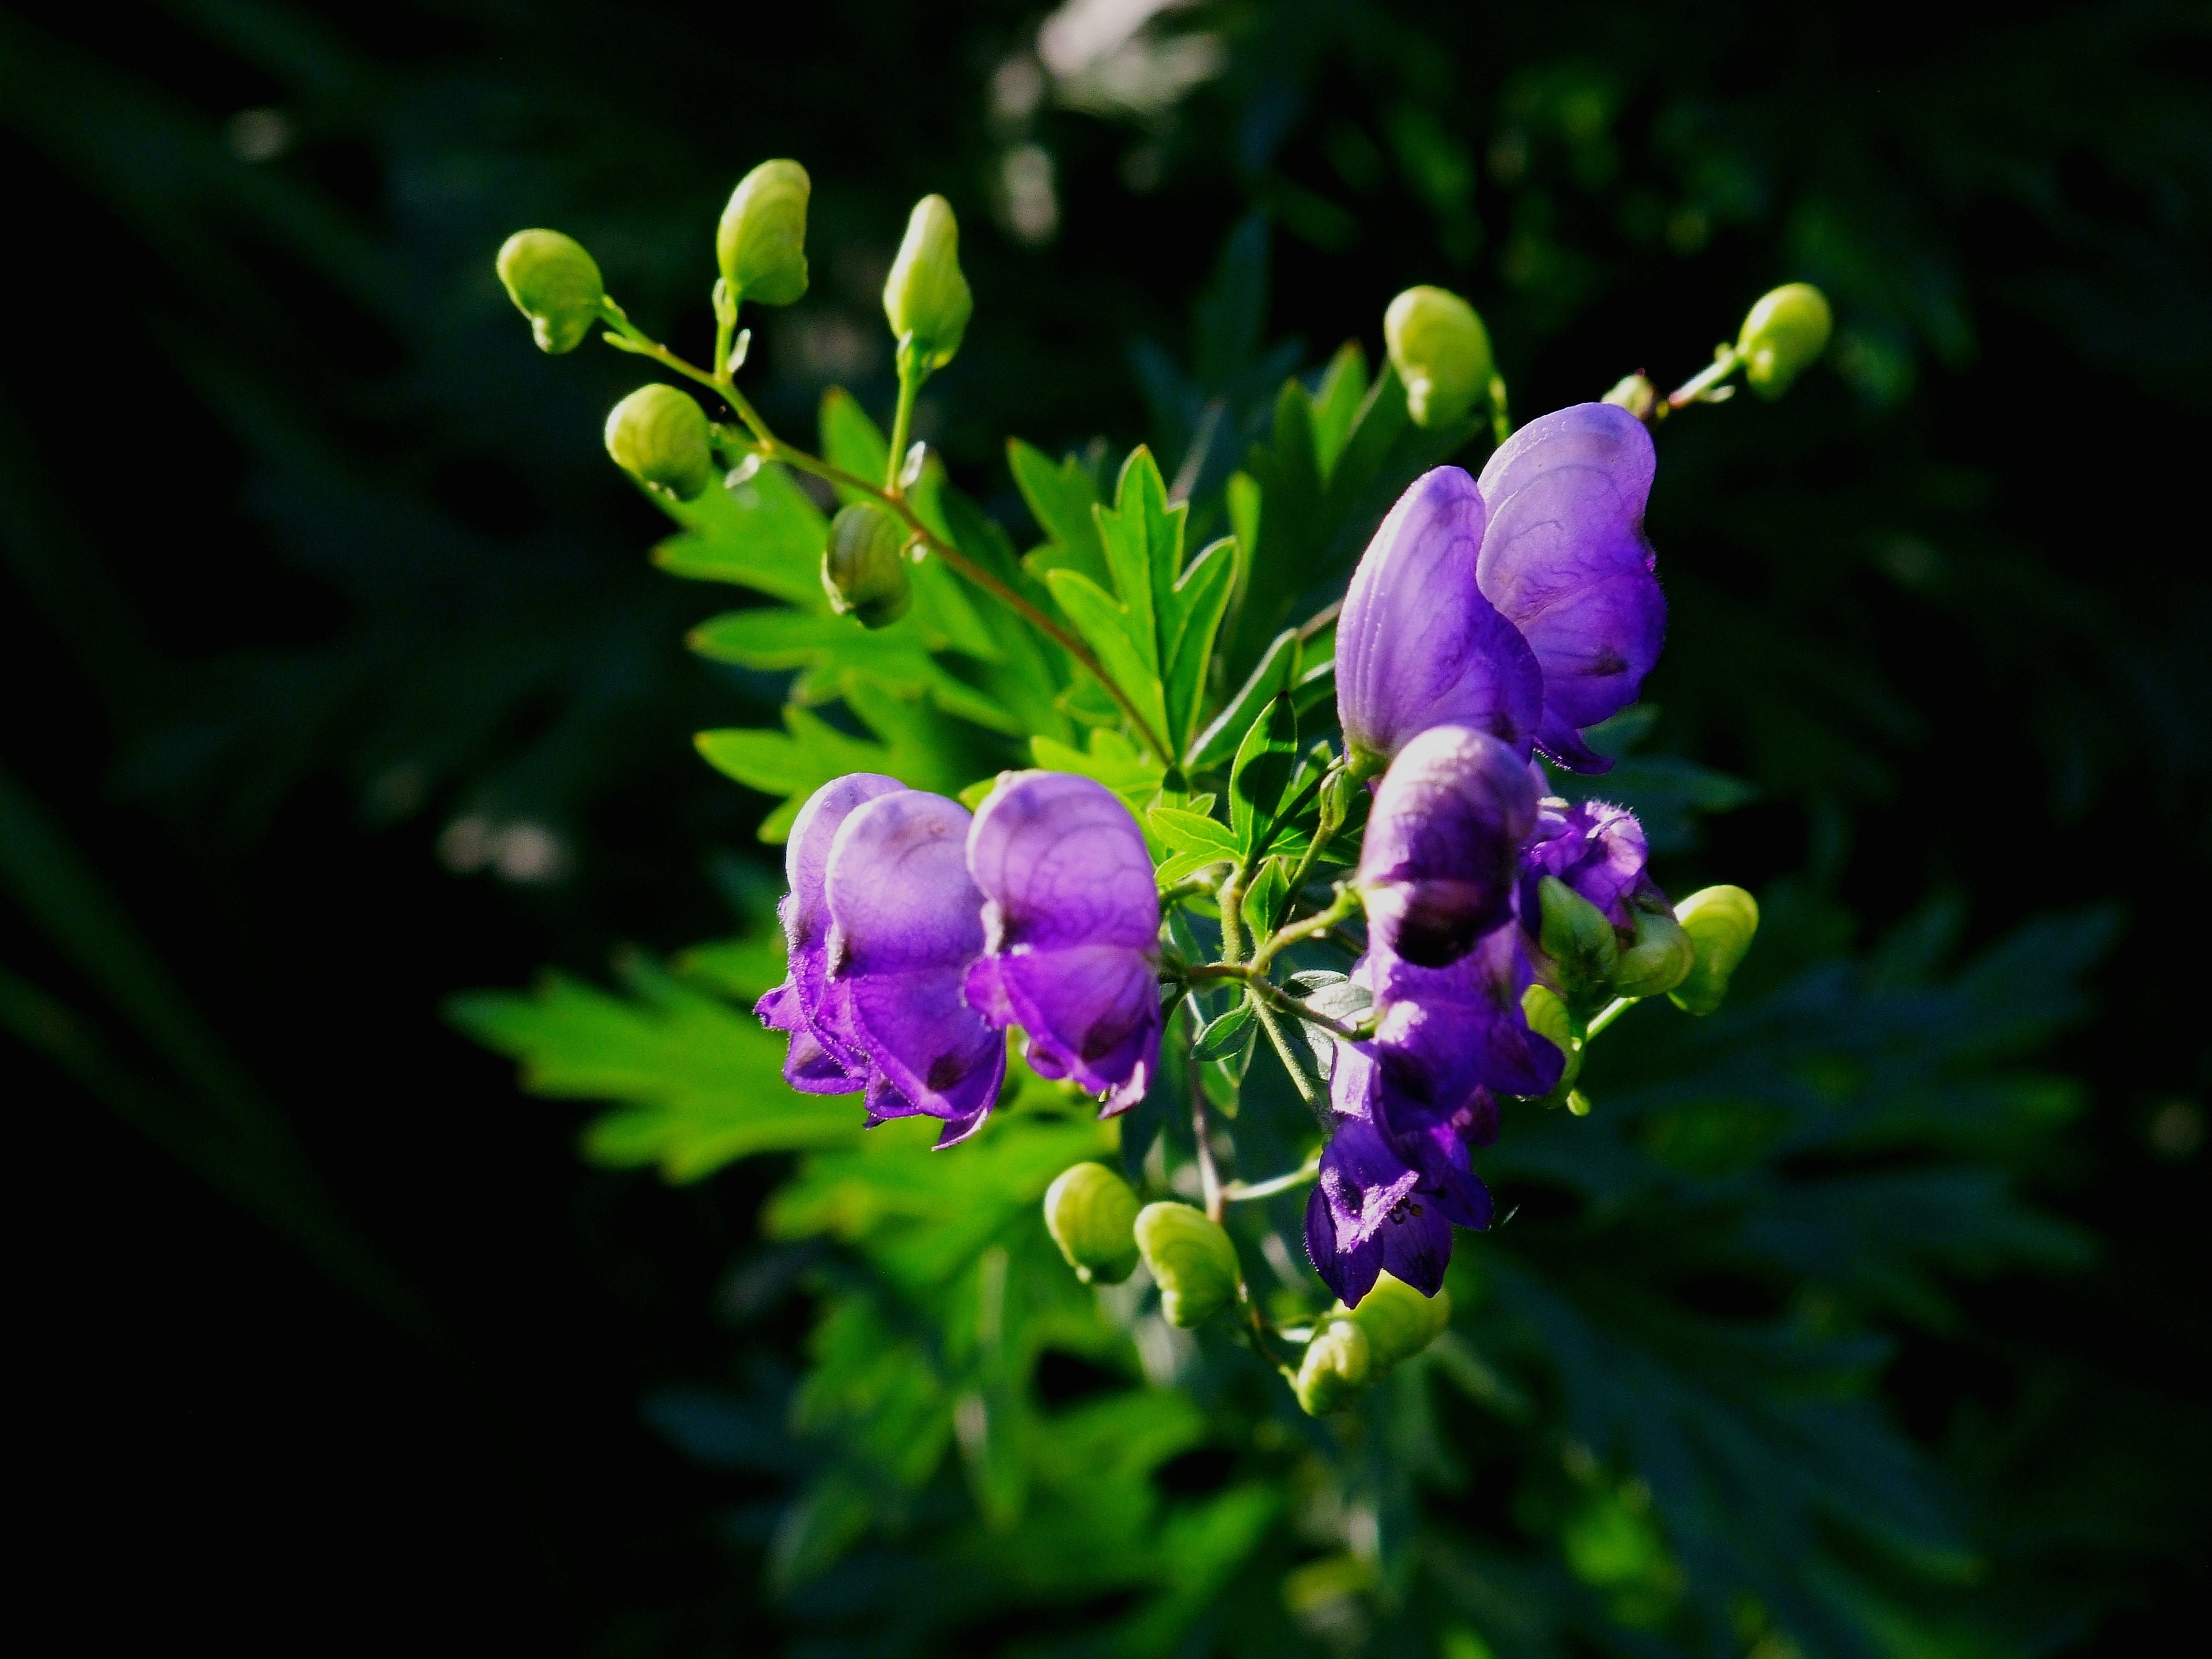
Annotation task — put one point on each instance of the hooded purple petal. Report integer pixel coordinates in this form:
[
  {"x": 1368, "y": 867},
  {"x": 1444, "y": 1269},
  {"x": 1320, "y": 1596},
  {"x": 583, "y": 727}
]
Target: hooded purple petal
[
  {"x": 1418, "y": 644},
  {"x": 1566, "y": 560},
  {"x": 1597, "y": 850},
  {"x": 1436, "y": 867},
  {"x": 905, "y": 922},
  {"x": 824, "y": 1058},
  {"x": 1449, "y": 1030},
  {"x": 1071, "y": 921},
  {"x": 1372, "y": 1210}
]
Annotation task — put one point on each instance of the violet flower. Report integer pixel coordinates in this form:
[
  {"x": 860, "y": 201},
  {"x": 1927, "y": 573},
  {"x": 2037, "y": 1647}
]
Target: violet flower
[
  {"x": 1566, "y": 560},
  {"x": 1390, "y": 1203},
  {"x": 1436, "y": 866},
  {"x": 1597, "y": 850},
  {"x": 1417, "y": 644},
  {"x": 905, "y": 923},
  {"x": 823, "y": 1057},
  {"x": 1070, "y": 923}
]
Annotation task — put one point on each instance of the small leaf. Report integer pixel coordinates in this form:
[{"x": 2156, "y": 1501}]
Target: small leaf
[
  {"x": 764, "y": 535},
  {"x": 833, "y": 653},
  {"x": 1111, "y": 759},
  {"x": 1262, "y": 776},
  {"x": 1218, "y": 743},
  {"x": 1110, "y": 629},
  {"x": 1336, "y": 403},
  {"x": 1225, "y": 1034},
  {"x": 919, "y": 749},
  {"x": 850, "y": 439},
  {"x": 1268, "y": 897},
  {"x": 1187, "y": 832},
  {"x": 1060, "y": 499},
  {"x": 1196, "y": 608}
]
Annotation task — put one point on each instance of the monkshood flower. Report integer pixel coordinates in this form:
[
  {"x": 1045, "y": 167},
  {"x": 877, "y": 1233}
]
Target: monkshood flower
[
  {"x": 1070, "y": 923},
  {"x": 1566, "y": 560},
  {"x": 1597, "y": 850},
  {"x": 905, "y": 923},
  {"x": 1522, "y": 604},
  {"x": 824, "y": 1057},
  {"x": 1390, "y": 1202}
]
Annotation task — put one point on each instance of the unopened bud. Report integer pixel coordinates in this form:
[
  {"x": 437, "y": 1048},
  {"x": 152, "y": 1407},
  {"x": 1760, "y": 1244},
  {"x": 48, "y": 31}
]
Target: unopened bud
[
  {"x": 1635, "y": 394},
  {"x": 1340, "y": 794},
  {"x": 1338, "y": 1364},
  {"x": 1548, "y": 1018},
  {"x": 1578, "y": 938},
  {"x": 1657, "y": 959},
  {"x": 1784, "y": 335},
  {"x": 1092, "y": 1215},
  {"x": 925, "y": 296},
  {"x": 864, "y": 566},
  {"x": 659, "y": 436},
  {"x": 1720, "y": 921},
  {"x": 1191, "y": 1260},
  {"x": 1400, "y": 1321},
  {"x": 556, "y": 283},
  {"x": 761, "y": 244},
  {"x": 1441, "y": 351}
]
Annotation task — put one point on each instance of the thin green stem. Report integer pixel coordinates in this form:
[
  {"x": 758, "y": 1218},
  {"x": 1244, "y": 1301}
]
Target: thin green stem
[
  {"x": 1501, "y": 424},
  {"x": 1606, "y": 1015},
  {"x": 1246, "y": 1192},
  {"x": 1313, "y": 926},
  {"x": 627, "y": 337},
  {"x": 909, "y": 384},
  {"x": 1267, "y": 993},
  {"x": 1231, "y": 897},
  {"x": 1694, "y": 389}
]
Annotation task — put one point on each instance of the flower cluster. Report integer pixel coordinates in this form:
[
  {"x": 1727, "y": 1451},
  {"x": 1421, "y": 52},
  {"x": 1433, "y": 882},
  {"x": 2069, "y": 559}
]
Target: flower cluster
[{"x": 916, "y": 934}]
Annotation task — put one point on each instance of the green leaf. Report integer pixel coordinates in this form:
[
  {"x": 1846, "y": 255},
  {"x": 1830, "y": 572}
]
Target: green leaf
[
  {"x": 764, "y": 535},
  {"x": 1061, "y": 498},
  {"x": 917, "y": 748},
  {"x": 851, "y": 440},
  {"x": 1112, "y": 759},
  {"x": 1223, "y": 1035},
  {"x": 1336, "y": 403},
  {"x": 1193, "y": 612},
  {"x": 1189, "y": 832},
  {"x": 1260, "y": 780},
  {"x": 1142, "y": 537},
  {"x": 698, "y": 1082},
  {"x": 835, "y": 654},
  {"x": 1268, "y": 897},
  {"x": 1123, "y": 642},
  {"x": 1218, "y": 743}
]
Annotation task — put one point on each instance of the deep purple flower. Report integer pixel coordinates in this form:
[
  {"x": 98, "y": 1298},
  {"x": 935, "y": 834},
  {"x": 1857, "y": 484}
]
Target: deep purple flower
[
  {"x": 905, "y": 923},
  {"x": 1390, "y": 1203},
  {"x": 1071, "y": 922},
  {"x": 1436, "y": 867},
  {"x": 1597, "y": 850},
  {"x": 1444, "y": 1032},
  {"x": 824, "y": 1057},
  {"x": 1417, "y": 644},
  {"x": 1566, "y": 560}
]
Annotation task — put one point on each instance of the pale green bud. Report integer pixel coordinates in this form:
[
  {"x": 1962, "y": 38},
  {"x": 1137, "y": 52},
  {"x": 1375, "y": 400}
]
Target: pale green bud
[
  {"x": 1092, "y": 1215},
  {"x": 1400, "y": 1321},
  {"x": 556, "y": 283},
  {"x": 1340, "y": 794},
  {"x": 1441, "y": 351},
  {"x": 1547, "y": 1016},
  {"x": 1579, "y": 939},
  {"x": 659, "y": 436},
  {"x": 1338, "y": 1364},
  {"x": 1720, "y": 921},
  {"x": 864, "y": 565},
  {"x": 1191, "y": 1260},
  {"x": 1784, "y": 335},
  {"x": 925, "y": 295},
  {"x": 761, "y": 244},
  {"x": 1634, "y": 393},
  {"x": 1657, "y": 959}
]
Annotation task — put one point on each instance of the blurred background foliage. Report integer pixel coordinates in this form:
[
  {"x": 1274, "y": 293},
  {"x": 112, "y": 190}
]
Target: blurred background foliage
[{"x": 340, "y": 683}]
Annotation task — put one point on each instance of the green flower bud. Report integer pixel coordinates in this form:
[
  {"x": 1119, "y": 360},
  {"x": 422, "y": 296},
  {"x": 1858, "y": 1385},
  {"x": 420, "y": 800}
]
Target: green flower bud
[
  {"x": 925, "y": 295},
  {"x": 1635, "y": 394},
  {"x": 1720, "y": 921},
  {"x": 556, "y": 283},
  {"x": 1092, "y": 1215},
  {"x": 659, "y": 436},
  {"x": 1400, "y": 1321},
  {"x": 1340, "y": 794},
  {"x": 864, "y": 566},
  {"x": 1784, "y": 333},
  {"x": 1548, "y": 1018},
  {"x": 1338, "y": 1364},
  {"x": 1441, "y": 351},
  {"x": 1579, "y": 939},
  {"x": 1657, "y": 959},
  {"x": 1191, "y": 1260},
  {"x": 761, "y": 244}
]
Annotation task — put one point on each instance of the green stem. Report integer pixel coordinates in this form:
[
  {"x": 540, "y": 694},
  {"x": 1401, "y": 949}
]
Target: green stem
[
  {"x": 1246, "y": 1192},
  {"x": 629, "y": 338},
  {"x": 1694, "y": 389},
  {"x": 1269, "y": 994},
  {"x": 1606, "y": 1016},
  {"x": 1501, "y": 426},
  {"x": 1313, "y": 926},
  {"x": 909, "y": 384}
]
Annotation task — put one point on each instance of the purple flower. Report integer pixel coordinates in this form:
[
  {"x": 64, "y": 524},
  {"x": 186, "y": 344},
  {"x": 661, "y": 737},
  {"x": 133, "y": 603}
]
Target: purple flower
[
  {"x": 1436, "y": 867},
  {"x": 825, "y": 1056},
  {"x": 905, "y": 923},
  {"x": 1071, "y": 923},
  {"x": 1416, "y": 645},
  {"x": 1597, "y": 850},
  {"x": 1566, "y": 560},
  {"x": 1444, "y": 1032},
  {"x": 1384, "y": 1202}
]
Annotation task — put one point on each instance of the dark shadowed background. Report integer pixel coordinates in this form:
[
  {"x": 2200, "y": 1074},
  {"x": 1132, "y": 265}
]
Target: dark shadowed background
[{"x": 336, "y": 680}]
